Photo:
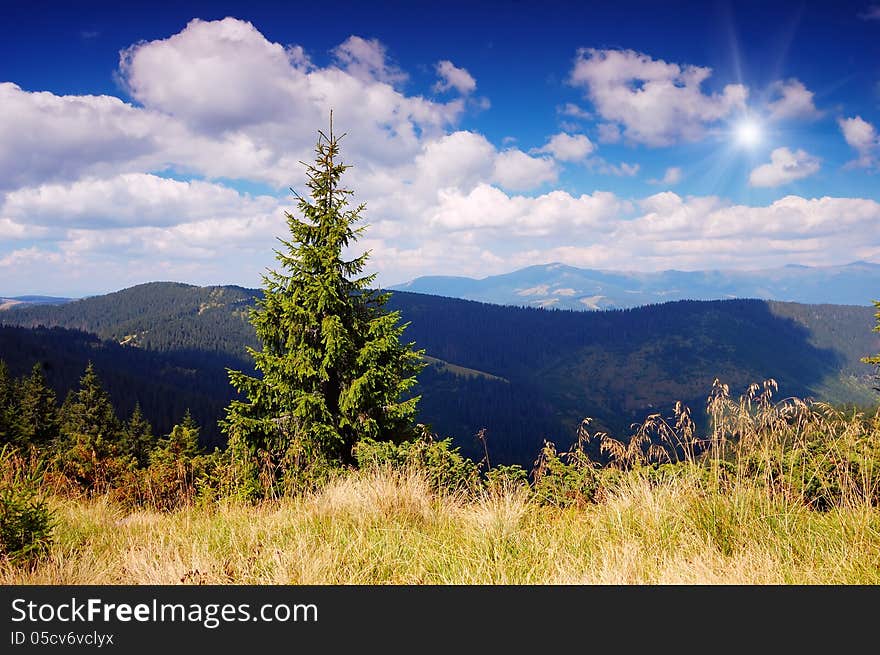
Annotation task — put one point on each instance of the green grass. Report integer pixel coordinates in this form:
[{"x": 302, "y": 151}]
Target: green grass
[{"x": 461, "y": 371}]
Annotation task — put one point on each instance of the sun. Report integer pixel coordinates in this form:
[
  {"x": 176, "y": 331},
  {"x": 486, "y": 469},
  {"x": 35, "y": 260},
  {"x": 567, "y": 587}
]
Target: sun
[{"x": 748, "y": 133}]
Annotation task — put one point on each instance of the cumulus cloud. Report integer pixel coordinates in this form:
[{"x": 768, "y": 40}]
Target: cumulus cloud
[
  {"x": 567, "y": 147},
  {"x": 487, "y": 207},
  {"x": 792, "y": 100},
  {"x": 44, "y": 136},
  {"x": 218, "y": 75},
  {"x": 219, "y": 100},
  {"x": 785, "y": 166},
  {"x": 477, "y": 231},
  {"x": 131, "y": 199},
  {"x": 660, "y": 232},
  {"x": 657, "y": 103},
  {"x": 517, "y": 171},
  {"x": 460, "y": 159},
  {"x": 452, "y": 77},
  {"x": 862, "y": 136},
  {"x": 367, "y": 59}
]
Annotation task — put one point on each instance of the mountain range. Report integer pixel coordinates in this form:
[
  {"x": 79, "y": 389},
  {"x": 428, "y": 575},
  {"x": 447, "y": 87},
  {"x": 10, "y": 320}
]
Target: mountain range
[
  {"x": 524, "y": 374},
  {"x": 559, "y": 286}
]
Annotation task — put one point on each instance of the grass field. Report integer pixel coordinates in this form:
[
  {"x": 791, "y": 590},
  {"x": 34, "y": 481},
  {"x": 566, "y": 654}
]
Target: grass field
[
  {"x": 778, "y": 492},
  {"x": 383, "y": 527}
]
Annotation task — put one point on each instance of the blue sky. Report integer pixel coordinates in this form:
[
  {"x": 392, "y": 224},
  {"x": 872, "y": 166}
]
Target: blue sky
[{"x": 158, "y": 141}]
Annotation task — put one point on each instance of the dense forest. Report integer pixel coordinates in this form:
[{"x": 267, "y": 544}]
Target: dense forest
[
  {"x": 165, "y": 385},
  {"x": 523, "y": 374}
]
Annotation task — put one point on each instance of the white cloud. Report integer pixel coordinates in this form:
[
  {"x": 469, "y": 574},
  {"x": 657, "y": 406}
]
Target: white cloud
[
  {"x": 663, "y": 231},
  {"x": 10, "y": 230},
  {"x": 218, "y": 76},
  {"x": 460, "y": 159},
  {"x": 608, "y": 133},
  {"x": 657, "y": 103},
  {"x": 517, "y": 171},
  {"x": 622, "y": 169},
  {"x": 671, "y": 177},
  {"x": 48, "y": 137},
  {"x": 793, "y": 100},
  {"x": 785, "y": 166},
  {"x": 218, "y": 100},
  {"x": 487, "y": 207},
  {"x": 452, "y": 77},
  {"x": 478, "y": 231},
  {"x": 85, "y": 209},
  {"x": 791, "y": 217},
  {"x": 862, "y": 136},
  {"x": 130, "y": 199},
  {"x": 567, "y": 147},
  {"x": 367, "y": 60},
  {"x": 574, "y": 111}
]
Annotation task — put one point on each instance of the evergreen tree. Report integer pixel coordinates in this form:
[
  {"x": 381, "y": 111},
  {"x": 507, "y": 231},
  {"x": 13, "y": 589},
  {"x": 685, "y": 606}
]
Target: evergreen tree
[
  {"x": 8, "y": 406},
  {"x": 178, "y": 447},
  {"x": 37, "y": 410},
  {"x": 138, "y": 438},
  {"x": 189, "y": 422},
  {"x": 88, "y": 417},
  {"x": 332, "y": 367}
]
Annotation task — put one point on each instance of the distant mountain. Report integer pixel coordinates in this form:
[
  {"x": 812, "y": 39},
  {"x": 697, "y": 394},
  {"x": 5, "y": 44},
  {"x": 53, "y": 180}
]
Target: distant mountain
[
  {"x": 7, "y": 302},
  {"x": 559, "y": 286},
  {"x": 525, "y": 374}
]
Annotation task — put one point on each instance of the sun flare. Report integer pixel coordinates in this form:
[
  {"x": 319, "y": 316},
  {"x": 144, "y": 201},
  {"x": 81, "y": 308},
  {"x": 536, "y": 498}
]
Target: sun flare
[{"x": 748, "y": 133}]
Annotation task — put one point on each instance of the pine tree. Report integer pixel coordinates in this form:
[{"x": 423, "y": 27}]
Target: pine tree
[
  {"x": 37, "y": 410},
  {"x": 87, "y": 416},
  {"x": 332, "y": 367},
  {"x": 138, "y": 438},
  {"x": 189, "y": 422},
  {"x": 179, "y": 446},
  {"x": 90, "y": 442}
]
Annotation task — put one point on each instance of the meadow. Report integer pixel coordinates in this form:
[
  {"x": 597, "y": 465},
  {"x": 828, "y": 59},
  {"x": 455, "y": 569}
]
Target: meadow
[{"x": 779, "y": 492}]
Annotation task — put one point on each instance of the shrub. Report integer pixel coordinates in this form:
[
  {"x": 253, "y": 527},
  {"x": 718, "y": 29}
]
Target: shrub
[
  {"x": 179, "y": 474},
  {"x": 501, "y": 477},
  {"x": 565, "y": 479},
  {"x": 26, "y": 521},
  {"x": 444, "y": 466},
  {"x": 92, "y": 465}
]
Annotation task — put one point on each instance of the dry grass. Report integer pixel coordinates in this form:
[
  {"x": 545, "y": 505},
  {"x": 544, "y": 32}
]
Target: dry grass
[
  {"x": 385, "y": 527},
  {"x": 778, "y": 492}
]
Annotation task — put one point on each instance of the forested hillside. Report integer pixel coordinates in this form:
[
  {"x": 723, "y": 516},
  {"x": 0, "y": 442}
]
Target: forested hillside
[
  {"x": 165, "y": 384},
  {"x": 524, "y": 374}
]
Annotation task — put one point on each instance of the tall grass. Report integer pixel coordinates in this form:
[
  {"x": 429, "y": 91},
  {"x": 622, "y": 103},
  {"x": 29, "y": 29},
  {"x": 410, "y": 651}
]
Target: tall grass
[
  {"x": 776, "y": 492},
  {"x": 383, "y": 527}
]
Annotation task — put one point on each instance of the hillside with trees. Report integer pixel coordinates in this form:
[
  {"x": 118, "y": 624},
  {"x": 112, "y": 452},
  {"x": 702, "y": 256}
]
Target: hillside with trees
[{"x": 544, "y": 370}]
